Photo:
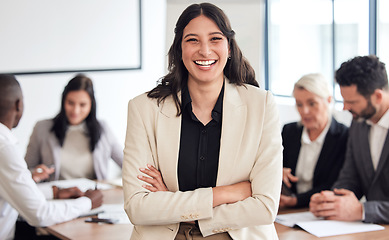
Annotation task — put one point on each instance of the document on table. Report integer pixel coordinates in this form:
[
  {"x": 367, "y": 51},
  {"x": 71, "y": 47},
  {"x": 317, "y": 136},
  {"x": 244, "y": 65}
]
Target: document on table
[
  {"x": 116, "y": 212},
  {"x": 83, "y": 184},
  {"x": 324, "y": 228}
]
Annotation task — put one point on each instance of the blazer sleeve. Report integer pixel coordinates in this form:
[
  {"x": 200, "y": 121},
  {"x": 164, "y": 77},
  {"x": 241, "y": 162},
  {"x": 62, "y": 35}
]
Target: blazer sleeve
[
  {"x": 265, "y": 178},
  {"x": 376, "y": 211},
  {"x": 33, "y": 156},
  {"x": 154, "y": 208},
  {"x": 291, "y": 141},
  {"x": 116, "y": 148}
]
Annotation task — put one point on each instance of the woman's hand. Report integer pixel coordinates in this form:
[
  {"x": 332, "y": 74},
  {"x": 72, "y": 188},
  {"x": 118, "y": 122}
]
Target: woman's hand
[
  {"x": 154, "y": 178},
  {"x": 231, "y": 193},
  {"x": 42, "y": 172},
  {"x": 288, "y": 177},
  {"x": 288, "y": 201}
]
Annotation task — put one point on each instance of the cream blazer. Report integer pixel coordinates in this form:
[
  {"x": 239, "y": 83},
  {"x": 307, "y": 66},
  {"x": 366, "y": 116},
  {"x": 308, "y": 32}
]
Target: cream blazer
[{"x": 250, "y": 149}]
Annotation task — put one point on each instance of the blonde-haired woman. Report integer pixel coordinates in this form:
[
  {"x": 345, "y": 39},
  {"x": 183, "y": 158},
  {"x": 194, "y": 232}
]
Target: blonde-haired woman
[{"x": 314, "y": 147}]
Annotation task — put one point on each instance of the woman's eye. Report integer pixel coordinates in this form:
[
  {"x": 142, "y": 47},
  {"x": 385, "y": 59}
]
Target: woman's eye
[
  {"x": 191, "y": 40},
  {"x": 216, "y": 38}
]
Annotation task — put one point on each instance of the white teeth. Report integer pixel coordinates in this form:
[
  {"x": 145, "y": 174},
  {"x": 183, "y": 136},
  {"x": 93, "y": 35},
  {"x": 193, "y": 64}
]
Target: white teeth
[{"x": 205, "y": 63}]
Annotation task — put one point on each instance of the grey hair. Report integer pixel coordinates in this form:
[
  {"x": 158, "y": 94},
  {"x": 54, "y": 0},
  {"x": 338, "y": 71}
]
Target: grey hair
[{"x": 314, "y": 83}]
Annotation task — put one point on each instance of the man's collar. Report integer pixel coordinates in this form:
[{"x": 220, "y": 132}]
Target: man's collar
[
  {"x": 7, "y": 134},
  {"x": 383, "y": 122}
]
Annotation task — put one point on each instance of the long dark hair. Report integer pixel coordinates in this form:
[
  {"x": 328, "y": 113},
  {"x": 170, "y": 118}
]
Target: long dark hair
[
  {"x": 61, "y": 123},
  {"x": 238, "y": 70}
]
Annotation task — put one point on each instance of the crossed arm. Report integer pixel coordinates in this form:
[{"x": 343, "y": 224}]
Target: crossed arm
[{"x": 221, "y": 194}]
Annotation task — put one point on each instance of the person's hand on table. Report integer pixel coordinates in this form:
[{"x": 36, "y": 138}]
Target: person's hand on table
[
  {"x": 95, "y": 196},
  {"x": 42, "y": 172},
  {"x": 66, "y": 193},
  {"x": 340, "y": 204}
]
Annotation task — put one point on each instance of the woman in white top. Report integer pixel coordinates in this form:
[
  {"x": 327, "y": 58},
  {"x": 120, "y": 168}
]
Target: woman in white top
[{"x": 74, "y": 144}]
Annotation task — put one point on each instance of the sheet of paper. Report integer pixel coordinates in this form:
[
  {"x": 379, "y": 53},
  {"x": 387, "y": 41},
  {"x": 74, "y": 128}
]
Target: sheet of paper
[
  {"x": 115, "y": 211},
  {"x": 291, "y": 219},
  {"x": 116, "y": 182},
  {"x": 324, "y": 228},
  {"x": 83, "y": 184}
]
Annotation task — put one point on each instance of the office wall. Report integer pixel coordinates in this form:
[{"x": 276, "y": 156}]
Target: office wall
[{"x": 42, "y": 93}]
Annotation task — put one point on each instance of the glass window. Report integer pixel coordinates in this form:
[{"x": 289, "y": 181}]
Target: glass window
[
  {"x": 351, "y": 36},
  {"x": 383, "y": 31},
  {"x": 300, "y": 42},
  {"x": 307, "y": 36}
]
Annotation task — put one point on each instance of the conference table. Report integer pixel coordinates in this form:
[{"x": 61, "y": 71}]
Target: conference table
[{"x": 78, "y": 229}]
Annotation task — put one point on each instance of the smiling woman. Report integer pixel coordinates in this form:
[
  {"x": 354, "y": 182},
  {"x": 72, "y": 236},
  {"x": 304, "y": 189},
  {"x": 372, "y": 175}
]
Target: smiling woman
[
  {"x": 205, "y": 46},
  {"x": 74, "y": 144},
  {"x": 201, "y": 145}
]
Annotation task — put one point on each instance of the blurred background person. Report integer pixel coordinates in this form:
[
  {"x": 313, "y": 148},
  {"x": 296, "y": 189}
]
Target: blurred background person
[
  {"x": 314, "y": 147},
  {"x": 18, "y": 192},
  {"x": 363, "y": 82},
  {"x": 74, "y": 144}
]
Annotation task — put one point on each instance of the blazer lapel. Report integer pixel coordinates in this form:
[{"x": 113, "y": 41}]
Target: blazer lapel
[
  {"x": 56, "y": 151},
  {"x": 325, "y": 153},
  {"x": 367, "y": 163},
  {"x": 294, "y": 141},
  {"x": 168, "y": 131},
  {"x": 233, "y": 124}
]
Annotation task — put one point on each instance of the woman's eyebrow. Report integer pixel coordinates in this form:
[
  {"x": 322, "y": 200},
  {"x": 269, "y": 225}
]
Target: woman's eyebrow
[
  {"x": 189, "y": 35},
  {"x": 195, "y": 35}
]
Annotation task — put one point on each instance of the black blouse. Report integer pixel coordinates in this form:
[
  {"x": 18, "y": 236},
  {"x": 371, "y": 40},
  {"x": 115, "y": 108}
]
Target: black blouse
[{"x": 199, "y": 146}]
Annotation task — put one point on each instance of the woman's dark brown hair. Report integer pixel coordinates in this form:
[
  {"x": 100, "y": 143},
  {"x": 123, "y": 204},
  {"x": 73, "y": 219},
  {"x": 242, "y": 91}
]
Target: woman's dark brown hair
[
  {"x": 61, "y": 123},
  {"x": 238, "y": 70}
]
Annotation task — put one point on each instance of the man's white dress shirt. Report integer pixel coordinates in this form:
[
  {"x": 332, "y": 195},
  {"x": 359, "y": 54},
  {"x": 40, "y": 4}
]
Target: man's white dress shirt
[
  {"x": 377, "y": 136},
  {"x": 20, "y": 195}
]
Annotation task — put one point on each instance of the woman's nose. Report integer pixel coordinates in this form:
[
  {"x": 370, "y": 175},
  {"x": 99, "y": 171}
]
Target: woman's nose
[
  {"x": 205, "y": 50},
  {"x": 305, "y": 109},
  {"x": 76, "y": 109}
]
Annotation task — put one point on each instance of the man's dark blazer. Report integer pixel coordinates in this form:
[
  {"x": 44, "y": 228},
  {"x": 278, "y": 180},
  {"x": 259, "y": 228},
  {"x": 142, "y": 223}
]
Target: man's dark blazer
[
  {"x": 330, "y": 160},
  {"x": 359, "y": 176}
]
